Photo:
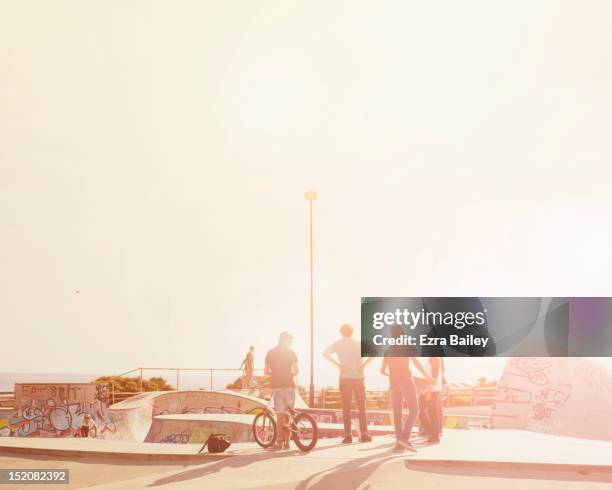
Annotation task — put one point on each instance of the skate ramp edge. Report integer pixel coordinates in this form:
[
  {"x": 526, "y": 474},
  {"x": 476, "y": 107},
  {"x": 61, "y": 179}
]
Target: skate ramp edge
[
  {"x": 149, "y": 417},
  {"x": 133, "y": 417},
  {"x": 569, "y": 397}
]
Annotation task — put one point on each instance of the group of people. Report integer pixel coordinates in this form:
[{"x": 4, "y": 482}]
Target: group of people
[{"x": 421, "y": 396}]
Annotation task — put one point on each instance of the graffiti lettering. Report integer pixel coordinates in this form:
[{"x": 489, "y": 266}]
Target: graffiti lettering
[{"x": 48, "y": 410}]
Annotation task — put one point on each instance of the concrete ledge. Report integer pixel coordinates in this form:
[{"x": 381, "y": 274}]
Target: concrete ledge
[
  {"x": 81, "y": 449},
  {"x": 205, "y": 457},
  {"x": 75, "y": 454}
]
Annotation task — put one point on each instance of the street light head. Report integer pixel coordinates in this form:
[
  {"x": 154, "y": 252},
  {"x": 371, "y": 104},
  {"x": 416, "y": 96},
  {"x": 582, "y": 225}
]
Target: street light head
[{"x": 310, "y": 195}]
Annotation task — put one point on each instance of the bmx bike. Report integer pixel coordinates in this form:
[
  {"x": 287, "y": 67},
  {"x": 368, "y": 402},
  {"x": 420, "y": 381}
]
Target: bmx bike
[{"x": 302, "y": 427}]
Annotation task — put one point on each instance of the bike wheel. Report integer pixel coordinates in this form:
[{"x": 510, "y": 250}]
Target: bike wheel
[
  {"x": 264, "y": 429},
  {"x": 304, "y": 431}
]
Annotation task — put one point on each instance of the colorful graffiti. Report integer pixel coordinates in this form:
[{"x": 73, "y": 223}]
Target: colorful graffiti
[
  {"x": 195, "y": 435},
  {"x": 197, "y": 428},
  {"x": 201, "y": 402},
  {"x": 58, "y": 410},
  {"x": 6, "y": 430}
]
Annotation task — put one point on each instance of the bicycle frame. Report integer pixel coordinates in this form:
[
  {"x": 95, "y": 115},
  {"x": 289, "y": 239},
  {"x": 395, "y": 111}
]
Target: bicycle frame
[{"x": 292, "y": 412}]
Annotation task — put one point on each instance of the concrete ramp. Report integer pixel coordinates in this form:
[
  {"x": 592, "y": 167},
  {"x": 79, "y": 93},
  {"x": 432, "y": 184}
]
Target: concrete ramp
[
  {"x": 133, "y": 417},
  {"x": 183, "y": 416},
  {"x": 567, "y": 396},
  {"x": 191, "y": 402},
  {"x": 195, "y": 428}
]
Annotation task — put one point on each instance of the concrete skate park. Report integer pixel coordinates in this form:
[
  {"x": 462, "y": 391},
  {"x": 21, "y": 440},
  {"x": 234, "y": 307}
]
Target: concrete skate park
[{"x": 548, "y": 422}]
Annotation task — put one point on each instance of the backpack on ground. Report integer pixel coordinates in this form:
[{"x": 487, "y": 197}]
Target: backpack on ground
[{"x": 217, "y": 443}]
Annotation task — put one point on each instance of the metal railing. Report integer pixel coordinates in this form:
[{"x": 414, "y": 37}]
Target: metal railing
[
  {"x": 7, "y": 398},
  {"x": 210, "y": 373},
  {"x": 454, "y": 396}
]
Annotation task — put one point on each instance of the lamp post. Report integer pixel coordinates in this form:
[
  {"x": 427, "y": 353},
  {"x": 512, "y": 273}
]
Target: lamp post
[{"x": 311, "y": 196}]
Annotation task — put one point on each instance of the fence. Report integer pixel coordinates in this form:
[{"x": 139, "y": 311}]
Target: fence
[
  {"x": 379, "y": 400},
  {"x": 208, "y": 374},
  {"x": 454, "y": 395},
  {"x": 210, "y": 379}
]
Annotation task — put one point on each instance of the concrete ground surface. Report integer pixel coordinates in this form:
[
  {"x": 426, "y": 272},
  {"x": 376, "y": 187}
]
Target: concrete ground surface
[{"x": 479, "y": 459}]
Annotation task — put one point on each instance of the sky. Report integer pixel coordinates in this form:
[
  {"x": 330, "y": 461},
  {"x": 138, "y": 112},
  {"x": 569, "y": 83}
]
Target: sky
[{"x": 154, "y": 156}]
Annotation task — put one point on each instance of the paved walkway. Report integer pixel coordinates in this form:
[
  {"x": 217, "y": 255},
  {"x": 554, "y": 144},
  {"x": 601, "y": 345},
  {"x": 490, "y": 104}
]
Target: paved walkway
[
  {"x": 464, "y": 459},
  {"x": 498, "y": 446}
]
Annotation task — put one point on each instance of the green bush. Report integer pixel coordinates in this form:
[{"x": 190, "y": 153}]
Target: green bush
[{"x": 123, "y": 384}]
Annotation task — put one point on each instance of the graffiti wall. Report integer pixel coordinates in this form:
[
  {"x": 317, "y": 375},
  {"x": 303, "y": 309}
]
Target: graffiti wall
[
  {"x": 5, "y": 428},
  {"x": 196, "y": 429},
  {"x": 194, "y": 402},
  {"x": 58, "y": 410},
  {"x": 228, "y": 412},
  {"x": 562, "y": 396}
]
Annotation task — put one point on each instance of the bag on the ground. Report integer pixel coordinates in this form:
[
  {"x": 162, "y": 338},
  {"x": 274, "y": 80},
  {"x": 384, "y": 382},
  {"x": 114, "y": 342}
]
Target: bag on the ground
[{"x": 217, "y": 443}]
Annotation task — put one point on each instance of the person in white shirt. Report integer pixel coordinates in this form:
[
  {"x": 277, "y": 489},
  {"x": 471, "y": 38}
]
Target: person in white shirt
[{"x": 351, "y": 366}]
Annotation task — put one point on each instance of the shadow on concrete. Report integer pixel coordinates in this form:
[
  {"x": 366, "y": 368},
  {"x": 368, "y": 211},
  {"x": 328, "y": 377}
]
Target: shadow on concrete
[
  {"x": 417, "y": 442},
  {"x": 103, "y": 460},
  {"x": 550, "y": 473},
  {"x": 349, "y": 474},
  {"x": 354, "y": 473},
  {"x": 237, "y": 461}
]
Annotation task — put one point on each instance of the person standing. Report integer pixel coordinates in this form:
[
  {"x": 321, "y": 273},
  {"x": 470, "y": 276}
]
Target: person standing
[
  {"x": 351, "y": 366},
  {"x": 396, "y": 365},
  {"x": 434, "y": 399},
  {"x": 247, "y": 366},
  {"x": 282, "y": 367},
  {"x": 423, "y": 386}
]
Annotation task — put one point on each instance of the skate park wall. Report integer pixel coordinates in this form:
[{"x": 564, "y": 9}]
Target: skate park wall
[
  {"x": 196, "y": 428},
  {"x": 227, "y": 413},
  {"x": 185, "y": 402},
  {"x": 565, "y": 396},
  {"x": 57, "y": 410},
  {"x": 148, "y": 416}
]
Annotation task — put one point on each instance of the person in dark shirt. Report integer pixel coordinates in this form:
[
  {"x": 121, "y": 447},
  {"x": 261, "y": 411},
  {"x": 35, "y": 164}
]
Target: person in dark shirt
[
  {"x": 396, "y": 365},
  {"x": 88, "y": 426},
  {"x": 248, "y": 365},
  {"x": 282, "y": 367}
]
